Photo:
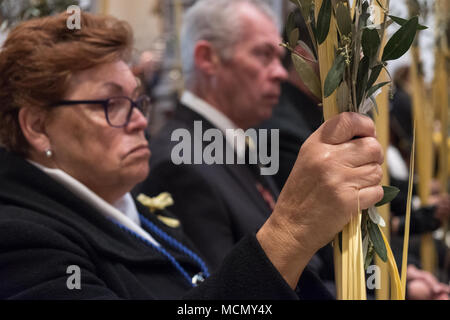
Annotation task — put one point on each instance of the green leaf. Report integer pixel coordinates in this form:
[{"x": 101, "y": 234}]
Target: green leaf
[
  {"x": 313, "y": 28},
  {"x": 306, "y": 8},
  {"x": 305, "y": 47},
  {"x": 290, "y": 24},
  {"x": 362, "y": 78},
  {"x": 335, "y": 75},
  {"x": 307, "y": 74},
  {"x": 323, "y": 21},
  {"x": 344, "y": 21},
  {"x": 377, "y": 240},
  {"x": 401, "y": 22},
  {"x": 389, "y": 194},
  {"x": 343, "y": 97},
  {"x": 293, "y": 38},
  {"x": 374, "y": 74},
  {"x": 372, "y": 90},
  {"x": 400, "y": 42},
  {"x": 368, "y": 258},
  {"x": 365, "y": 245},
  {"x": 370, "y": 42}
]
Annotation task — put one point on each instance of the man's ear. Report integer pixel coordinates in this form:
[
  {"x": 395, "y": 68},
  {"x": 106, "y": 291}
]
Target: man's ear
[
  {"x": 32, "y": 122},
  {"x": 205, "y": 57}
]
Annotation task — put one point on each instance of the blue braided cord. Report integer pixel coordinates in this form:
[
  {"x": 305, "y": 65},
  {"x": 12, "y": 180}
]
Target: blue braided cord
[
  {"x": 161, "y": 250},
  {"x": 175, "y": 244}
]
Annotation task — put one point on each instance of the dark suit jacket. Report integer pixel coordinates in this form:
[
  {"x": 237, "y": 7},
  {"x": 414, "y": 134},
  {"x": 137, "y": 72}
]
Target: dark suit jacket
[
  {"x": 217, "y": 204},
  {"x": 297, "y": 117},
  {"x": 44, "y": 228}
]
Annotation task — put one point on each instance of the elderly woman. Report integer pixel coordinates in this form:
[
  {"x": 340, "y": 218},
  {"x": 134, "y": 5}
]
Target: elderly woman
[{"x": 72, "y": 125}]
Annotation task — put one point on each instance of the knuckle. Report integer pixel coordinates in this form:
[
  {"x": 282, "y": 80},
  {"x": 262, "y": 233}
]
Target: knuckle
[
  {"x": 346, "y": 116},
  {"x": 377, "y": 172},
  {"x": 321, "y": 159},
  {"x": 372, "y": 174},
  {"x": 374, "y": 148}
]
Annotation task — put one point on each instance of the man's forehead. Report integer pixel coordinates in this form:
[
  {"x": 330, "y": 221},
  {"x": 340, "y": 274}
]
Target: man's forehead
[
  {"x": 250, "y": 11},
  {"x": 258, "y": 26},
  {"x": 263, "y": 40}
]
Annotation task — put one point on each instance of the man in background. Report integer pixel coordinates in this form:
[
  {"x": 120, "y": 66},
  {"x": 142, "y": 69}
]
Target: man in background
[{"x": 232, "y": 68}]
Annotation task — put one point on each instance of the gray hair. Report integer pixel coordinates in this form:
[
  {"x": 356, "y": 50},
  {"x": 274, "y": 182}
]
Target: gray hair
[{"x": 215, "y": 21}]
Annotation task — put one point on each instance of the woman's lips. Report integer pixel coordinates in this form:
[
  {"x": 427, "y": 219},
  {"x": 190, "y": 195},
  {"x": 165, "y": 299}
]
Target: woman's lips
[{"x": 141, "y": 149}]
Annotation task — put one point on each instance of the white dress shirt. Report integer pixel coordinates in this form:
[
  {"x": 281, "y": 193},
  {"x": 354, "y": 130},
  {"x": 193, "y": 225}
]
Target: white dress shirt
[{"x": 217, "y": 118}]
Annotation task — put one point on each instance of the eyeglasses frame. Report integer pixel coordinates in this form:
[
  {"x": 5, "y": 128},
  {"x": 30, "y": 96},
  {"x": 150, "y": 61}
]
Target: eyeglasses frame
[{"x": 104, "y": 103}]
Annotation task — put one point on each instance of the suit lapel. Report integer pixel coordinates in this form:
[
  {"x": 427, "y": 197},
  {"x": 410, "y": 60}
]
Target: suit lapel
[{"x": 241, "y": 173}]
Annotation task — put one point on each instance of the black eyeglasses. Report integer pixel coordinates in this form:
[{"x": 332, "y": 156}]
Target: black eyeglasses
[{"x": 118, "y": 110}]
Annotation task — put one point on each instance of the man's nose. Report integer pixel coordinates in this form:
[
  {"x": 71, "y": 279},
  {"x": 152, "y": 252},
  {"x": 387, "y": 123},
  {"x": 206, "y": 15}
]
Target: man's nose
[{"x": 279, "y": 72}]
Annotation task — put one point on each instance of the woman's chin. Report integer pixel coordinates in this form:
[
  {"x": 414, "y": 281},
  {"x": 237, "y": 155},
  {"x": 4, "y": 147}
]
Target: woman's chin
[
  {"x": 131, "y": 174},
  {"x": 141, "y": 172}
]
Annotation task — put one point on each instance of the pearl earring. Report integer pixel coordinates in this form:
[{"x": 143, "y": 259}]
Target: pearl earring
[{"x": 48, "y": 153}]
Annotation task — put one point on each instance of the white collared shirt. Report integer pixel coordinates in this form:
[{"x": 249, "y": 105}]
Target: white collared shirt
[
  {"x": 124, "y": 211},
  {"x": 217, "y": 118}
]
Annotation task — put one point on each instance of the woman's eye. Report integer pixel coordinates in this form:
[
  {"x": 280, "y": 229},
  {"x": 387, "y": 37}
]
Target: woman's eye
[{"x": 117, "y": 103}]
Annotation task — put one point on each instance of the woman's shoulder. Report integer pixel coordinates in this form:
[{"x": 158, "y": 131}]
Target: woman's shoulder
[{"x": 22, "y": 228}]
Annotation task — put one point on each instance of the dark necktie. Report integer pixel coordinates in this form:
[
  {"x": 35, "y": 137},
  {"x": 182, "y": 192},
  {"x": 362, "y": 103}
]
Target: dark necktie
[{"x": 265, "y": 186}]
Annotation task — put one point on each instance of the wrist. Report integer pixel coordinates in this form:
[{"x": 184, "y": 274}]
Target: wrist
[{"x": 285, "y": 252}]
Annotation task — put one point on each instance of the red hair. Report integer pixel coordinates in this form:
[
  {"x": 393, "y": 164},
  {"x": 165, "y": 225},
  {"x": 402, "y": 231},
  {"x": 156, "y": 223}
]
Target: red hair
[{"x": 39, "y": 57}]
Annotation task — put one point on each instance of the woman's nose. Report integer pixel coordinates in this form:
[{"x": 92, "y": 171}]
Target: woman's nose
[{"x": 137, "y": 121}]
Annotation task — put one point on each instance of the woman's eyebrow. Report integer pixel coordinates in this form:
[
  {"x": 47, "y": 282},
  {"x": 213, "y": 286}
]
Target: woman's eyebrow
[{"x": 113, "y": 87}]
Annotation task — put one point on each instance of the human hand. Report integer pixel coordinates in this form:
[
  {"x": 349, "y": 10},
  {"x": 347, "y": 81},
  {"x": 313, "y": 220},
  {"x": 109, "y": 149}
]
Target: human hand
[
  {"x": 435, "y": 187},
  {"x": 442, "y": 203},
  {"x": 337, "y": 166},
  {"x": 422, "y": 285}
]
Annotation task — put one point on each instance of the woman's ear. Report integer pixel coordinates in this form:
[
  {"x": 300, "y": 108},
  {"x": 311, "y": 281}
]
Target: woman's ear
[{"x": 32, "y": 122}]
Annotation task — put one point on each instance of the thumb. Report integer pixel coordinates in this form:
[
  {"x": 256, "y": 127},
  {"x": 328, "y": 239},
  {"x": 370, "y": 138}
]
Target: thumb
[{"x": 345, "y": 126}]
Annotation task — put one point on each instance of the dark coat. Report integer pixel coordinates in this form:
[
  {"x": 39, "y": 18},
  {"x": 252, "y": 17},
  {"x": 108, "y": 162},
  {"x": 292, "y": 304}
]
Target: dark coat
[
  {"x": 297, "y": 117},
  {"x": 217, "y": 204},
  {"x": 45, "y": 228}
]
